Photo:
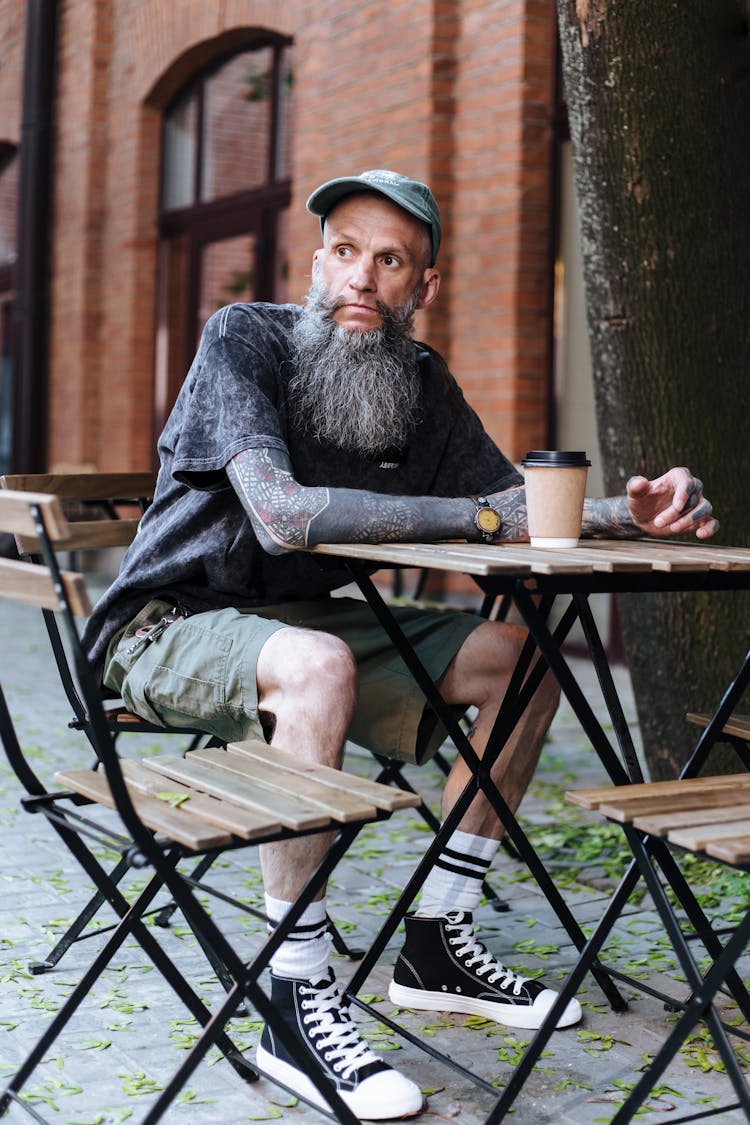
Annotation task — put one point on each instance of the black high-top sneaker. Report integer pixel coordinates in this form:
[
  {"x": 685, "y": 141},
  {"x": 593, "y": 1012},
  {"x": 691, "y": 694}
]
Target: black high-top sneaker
[
  {"x": 444, "y": 968},
  {"x": 326, "y": 1031}
]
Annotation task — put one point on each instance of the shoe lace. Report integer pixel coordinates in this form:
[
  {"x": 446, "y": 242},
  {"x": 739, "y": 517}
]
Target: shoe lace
[
  {"x": 338, "y": 1037},
  {"x": 479, "y": 958}
]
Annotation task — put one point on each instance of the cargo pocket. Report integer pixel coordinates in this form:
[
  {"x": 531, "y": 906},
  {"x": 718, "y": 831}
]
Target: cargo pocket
[{"x": 184, "y": 679}]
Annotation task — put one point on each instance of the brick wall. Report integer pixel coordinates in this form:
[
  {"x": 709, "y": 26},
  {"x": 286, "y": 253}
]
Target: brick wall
[
  {"x": 455, "y": 92},
  {"x": 501, "y": 207},
  {"x": 11, "y": 70}
]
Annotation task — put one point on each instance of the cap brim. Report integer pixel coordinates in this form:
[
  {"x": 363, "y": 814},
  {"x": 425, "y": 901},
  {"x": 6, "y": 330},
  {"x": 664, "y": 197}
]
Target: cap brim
[{"x": 327, "y": 196}]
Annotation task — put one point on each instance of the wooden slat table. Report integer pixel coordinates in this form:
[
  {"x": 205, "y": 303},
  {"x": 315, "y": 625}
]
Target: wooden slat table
[{"x": 513, "y": 560}]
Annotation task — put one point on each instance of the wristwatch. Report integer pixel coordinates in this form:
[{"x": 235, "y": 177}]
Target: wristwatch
[{"x": 487, "y": 520}]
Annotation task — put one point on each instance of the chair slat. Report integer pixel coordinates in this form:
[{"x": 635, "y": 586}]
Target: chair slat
[
  {"x": 698, "y": 838},
  {"x": 16, "y": 517},
  {"x": 33, "y": 584},
  {"x": 340, "y": 804},
  {"x": 386, "y": 797},
  {"x": 84, "y": 486},
  {"x": 245, "y": 823},
  {"x": 622, "y": 794},
  {"x": 292, "y": 810},
  {"x": 736, "y": 851},
  {"x": 160, "y": 816},
  {"x": 658, "y": 824},
  {"x": 91, "y": 535},
  {"x": 737, "y": 725},
  {"x": 624, "y": 812}
]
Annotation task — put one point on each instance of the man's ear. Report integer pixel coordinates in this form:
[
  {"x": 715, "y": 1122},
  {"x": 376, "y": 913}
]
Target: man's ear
[
  {"x": 316, "y": 261},
  {"x": 429, "y": 287}
]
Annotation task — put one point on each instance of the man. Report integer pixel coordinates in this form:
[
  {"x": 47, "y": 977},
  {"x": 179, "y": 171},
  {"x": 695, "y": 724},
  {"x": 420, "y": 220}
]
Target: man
[{"x": 297, "y": 426}]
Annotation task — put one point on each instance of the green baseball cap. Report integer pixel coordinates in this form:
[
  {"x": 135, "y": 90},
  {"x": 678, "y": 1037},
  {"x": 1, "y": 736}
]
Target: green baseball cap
[{"x": 413, "y": 196}]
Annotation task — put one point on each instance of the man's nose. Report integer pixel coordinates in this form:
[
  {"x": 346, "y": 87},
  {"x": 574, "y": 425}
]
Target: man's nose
[{"x": 363, "y": 274}]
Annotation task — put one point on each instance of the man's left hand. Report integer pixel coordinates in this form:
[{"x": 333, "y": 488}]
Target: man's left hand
[{"x": 671, "y": 505}]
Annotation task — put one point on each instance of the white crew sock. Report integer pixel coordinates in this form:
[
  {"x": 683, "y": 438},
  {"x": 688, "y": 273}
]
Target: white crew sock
[
  {"x": 304, "y": 953},
  {"x": 455, "y": 882}
]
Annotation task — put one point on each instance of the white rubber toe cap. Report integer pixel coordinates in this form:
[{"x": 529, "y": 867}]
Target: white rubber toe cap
[
  {"x": 544, "y": 1001},
  {"x": 384, "y": 1096}
]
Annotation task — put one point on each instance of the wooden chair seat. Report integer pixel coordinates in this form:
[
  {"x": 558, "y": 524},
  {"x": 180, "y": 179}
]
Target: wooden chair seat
[
  {"x": 702, "y": 814},
  {"x": 217, "y": 798}
]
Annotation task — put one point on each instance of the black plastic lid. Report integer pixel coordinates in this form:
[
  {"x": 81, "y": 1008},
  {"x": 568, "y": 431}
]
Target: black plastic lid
[{"x": 564, "y": 458}]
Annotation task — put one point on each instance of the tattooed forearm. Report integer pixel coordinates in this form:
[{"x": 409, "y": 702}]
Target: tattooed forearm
[
  {"x": 280, "y": 509},
  {"x": 609, "y": 518},
  {"x": 287, "y": 515},
  {"x": 511, "y": 506}
]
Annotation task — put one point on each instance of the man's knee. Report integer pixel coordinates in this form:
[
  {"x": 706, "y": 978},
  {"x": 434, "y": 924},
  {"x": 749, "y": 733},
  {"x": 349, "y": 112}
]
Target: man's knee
[
  {"x": 485, "y": 663},
  {"x": 305, "y": 664}
]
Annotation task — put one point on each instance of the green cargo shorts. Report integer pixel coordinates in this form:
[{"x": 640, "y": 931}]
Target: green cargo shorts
[{"x": 201, "y": 671}]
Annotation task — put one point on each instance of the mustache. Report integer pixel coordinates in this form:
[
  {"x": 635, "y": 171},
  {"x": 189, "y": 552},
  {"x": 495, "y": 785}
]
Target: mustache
[{"x": 328, "y": 305}]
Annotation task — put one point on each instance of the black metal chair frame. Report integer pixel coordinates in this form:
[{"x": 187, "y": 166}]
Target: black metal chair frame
[
  {"x": 139, "y": 847},
  {"x": 655, "y": 863}
]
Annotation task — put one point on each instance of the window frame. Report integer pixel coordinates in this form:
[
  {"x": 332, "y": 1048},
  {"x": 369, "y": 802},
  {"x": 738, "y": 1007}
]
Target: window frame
[{"x": 253, "y": 211}]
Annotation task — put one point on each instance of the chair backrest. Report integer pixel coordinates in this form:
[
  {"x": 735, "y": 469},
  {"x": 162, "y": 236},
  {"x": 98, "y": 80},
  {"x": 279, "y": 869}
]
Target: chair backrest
[
  {"x": 102, "y": 509},
  {"x": 22, "y": 514},
  {"x": 46, "y": 585}
]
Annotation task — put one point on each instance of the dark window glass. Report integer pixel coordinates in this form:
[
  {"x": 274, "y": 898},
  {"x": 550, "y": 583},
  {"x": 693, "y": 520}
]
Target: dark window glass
[
  {"x": 8, "y": 209},
  {"x": 180, "y": 153},
  {"x": 238, "y": 102}
]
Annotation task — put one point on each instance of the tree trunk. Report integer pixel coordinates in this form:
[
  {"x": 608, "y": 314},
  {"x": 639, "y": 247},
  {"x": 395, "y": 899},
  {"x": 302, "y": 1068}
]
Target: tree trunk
[{"x": 658, "y": 97}]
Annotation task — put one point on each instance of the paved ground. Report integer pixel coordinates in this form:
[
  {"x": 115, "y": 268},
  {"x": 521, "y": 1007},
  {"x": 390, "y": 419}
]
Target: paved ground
[{"x": 131, "y": 1033}]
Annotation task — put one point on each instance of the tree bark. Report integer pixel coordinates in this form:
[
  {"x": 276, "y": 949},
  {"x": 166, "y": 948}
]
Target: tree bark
[{"x": 658, "y": 97}]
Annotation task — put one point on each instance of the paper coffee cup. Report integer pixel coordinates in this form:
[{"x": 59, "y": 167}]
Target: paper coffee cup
[{"x": 555, "y": 488}]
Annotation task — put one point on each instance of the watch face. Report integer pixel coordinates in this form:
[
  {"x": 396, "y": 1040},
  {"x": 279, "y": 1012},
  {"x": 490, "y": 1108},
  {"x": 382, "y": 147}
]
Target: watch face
[{"x": 488, "y": 520}]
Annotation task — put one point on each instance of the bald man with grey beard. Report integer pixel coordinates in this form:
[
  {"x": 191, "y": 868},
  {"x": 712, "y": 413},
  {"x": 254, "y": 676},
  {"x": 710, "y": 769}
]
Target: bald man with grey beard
[{"x": 330, "y": 423}]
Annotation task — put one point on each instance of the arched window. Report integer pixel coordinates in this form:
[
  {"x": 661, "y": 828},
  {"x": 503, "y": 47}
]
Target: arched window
[{"x": 225, "y": 188}]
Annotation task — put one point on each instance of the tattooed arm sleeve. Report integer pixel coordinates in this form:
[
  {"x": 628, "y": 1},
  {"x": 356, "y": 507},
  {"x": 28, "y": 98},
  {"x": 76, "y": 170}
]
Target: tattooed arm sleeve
[
  {"x": 609, "y": 518},
  {"x": 287, "y": 515}
]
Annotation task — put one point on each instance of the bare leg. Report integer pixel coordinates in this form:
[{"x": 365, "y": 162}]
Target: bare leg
[
  {"x": 307, "y": 684},
  {"x": 479, "y": 674}
]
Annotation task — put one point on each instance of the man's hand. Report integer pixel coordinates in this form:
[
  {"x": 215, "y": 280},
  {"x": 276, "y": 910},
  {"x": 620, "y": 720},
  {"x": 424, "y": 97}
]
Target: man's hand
[{"x": 671, "y": 505}]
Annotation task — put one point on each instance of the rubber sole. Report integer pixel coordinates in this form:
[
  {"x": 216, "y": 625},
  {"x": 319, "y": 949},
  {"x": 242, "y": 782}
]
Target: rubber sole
[
  {"x": 512, "y": 1015},
  {"x": 407, "y": 1103}
]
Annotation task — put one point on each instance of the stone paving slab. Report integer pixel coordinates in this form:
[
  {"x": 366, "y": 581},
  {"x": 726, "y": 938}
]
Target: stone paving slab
[{"x": 131, "y": 1032}]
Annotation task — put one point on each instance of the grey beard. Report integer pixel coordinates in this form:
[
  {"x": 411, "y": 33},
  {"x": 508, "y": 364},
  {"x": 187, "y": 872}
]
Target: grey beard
[{"x": 356, "y": 390}]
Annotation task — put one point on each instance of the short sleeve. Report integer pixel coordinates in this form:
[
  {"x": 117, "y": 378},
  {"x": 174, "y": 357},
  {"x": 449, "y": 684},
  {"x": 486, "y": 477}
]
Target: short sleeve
[
  {"x": 471, "y": 463},
  {"x": 230, "y": 400}
]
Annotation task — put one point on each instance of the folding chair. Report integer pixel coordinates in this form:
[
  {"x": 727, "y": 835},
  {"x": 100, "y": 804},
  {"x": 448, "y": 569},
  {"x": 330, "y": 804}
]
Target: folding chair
[
  {"x": 707, "y": 817},
  {"x": 704, "y": 816},
  {"x": 225, "y": 800}
]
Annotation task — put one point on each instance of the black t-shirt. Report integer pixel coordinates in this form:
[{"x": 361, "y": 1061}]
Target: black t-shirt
[{"x": 196, "y": 544}]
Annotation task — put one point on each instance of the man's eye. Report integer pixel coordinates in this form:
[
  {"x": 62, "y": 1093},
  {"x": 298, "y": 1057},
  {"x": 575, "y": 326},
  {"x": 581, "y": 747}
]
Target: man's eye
[{"x": 389, "y": 260}]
